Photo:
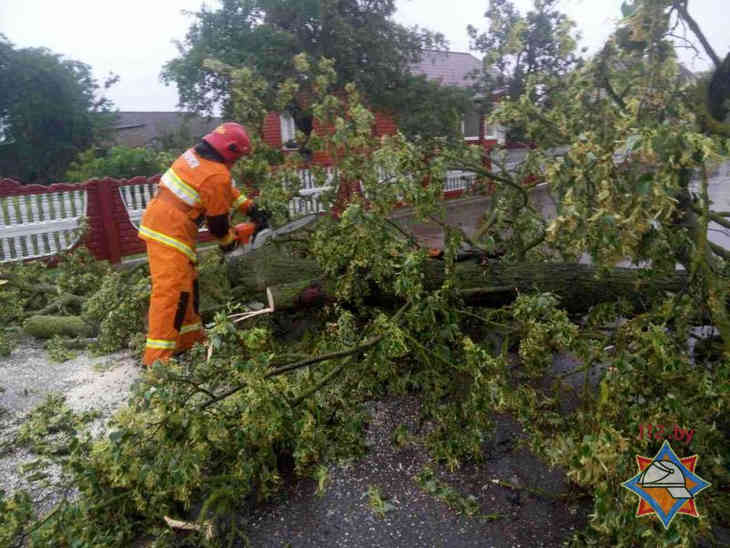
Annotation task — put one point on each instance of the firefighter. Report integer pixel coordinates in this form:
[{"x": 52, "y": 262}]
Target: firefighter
[{"x": 197, "y": 188}]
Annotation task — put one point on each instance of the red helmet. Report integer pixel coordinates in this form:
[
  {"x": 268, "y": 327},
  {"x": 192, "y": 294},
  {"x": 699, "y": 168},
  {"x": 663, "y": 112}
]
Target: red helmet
[{"x": 230, "y": 140}]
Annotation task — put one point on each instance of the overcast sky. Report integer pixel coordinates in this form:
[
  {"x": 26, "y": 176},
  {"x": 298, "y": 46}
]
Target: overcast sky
[{"x": 134, "y": 38}]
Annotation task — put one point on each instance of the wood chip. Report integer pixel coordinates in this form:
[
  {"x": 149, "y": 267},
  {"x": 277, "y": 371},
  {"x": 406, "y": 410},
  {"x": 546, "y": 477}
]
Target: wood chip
[{"x": 205, "y": 526}]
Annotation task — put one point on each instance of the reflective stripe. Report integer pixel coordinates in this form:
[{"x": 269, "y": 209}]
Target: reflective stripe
[
  {"x": 180, "y": 188},
  {"x": 168, "y": 241},
  {"x": 238, "y": 201},
  {"x": 190, "y": 328},
  {"x": 161, "y": 343}
]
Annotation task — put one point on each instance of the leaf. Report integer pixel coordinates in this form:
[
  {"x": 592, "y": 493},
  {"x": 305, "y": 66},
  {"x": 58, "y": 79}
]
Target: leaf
[
  {"x": 631, "y": 142},
  {"x": 645, "y": 182}
]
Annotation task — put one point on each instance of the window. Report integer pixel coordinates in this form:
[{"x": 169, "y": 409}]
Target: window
[
  {"x": 494, "y": 131},
  {"x": 470, "y": 125},
  {"x": 288, "y": 131}
]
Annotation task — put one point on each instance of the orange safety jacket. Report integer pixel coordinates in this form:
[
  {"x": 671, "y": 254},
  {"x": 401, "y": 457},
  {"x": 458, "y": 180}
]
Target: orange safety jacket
[{"x": 197, "y": 187}]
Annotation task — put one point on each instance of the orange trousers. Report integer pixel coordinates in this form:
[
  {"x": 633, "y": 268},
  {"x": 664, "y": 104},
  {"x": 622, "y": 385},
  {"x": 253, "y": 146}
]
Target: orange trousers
[{"x": 174, "y": 321}]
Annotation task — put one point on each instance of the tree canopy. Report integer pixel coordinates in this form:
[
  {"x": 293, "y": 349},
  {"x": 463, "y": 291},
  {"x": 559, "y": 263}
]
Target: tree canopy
[
  {"x": 541, "y": 43},
  {"x": 368, "y": 47},
  {"x": 49, "y": 112}
]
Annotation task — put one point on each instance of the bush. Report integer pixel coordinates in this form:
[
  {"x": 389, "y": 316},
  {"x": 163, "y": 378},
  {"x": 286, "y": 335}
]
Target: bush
[{"x": 118, "y": 162}]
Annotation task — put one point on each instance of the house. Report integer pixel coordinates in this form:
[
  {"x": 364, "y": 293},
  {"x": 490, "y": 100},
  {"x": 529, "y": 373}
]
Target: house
[
  {"x": 447, "y": 67},
  {"x": 158, "y": 129},
  {"x": 452, "y": 68}
]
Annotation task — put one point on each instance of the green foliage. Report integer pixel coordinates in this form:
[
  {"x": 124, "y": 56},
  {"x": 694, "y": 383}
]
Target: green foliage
[
  {"x": 17, "y": 513},
  {"x": 639, "y": 209},
  {"x": 78, "y": 272},
  {"x": 58, "y": 350},
  {"x": 215, "y": 287},
  {"x": 118, "y": 308},
  {"x": 17, "y": 289},
  {"x": 539, "y": 44},
  {"x": 53, "y": 428},
  {"x": 118, "y": 162},
  {"x": 467, "y": 505},
  {"x": 7, "y": 342},
  {"x": 378, "y": 505},
  {"x": 217, "y": 427},
  {"x": 48, "y": 112},
  {"x": 151, "y": 473},
  {"x": 11, "y": 303},
  {"x": 424, "y": 108},
  {"x": 542, "y": 329},
  {"x": 368, "y": 49}
]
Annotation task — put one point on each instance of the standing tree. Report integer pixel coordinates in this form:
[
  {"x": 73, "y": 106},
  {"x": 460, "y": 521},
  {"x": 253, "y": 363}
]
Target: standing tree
[
  {"x": 517, "y": 46},
  {"x": 48, "y": 112},
  {"x": 538, "y": 44},
  {"x": 368, "y": 47}
]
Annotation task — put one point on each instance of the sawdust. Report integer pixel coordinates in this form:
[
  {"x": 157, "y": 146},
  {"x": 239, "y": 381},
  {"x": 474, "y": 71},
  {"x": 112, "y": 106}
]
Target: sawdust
[{"x": 28, "y": 376}]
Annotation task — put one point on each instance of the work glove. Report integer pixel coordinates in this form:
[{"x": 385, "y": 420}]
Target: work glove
[
  {"x": 230, "y": 247},
  {"x": 233, "y": 241},
  {"x": 259, "y": 217}
]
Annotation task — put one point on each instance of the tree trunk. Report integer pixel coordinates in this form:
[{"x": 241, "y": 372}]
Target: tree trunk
[
  {"x": 45, "y": 327},
  {"x": 296, "y": 282}
]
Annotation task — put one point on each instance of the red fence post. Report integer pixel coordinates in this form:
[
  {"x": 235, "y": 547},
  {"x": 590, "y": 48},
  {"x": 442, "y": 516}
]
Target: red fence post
[
  {"x": 105, "y": 191},
  {"x": 95, "y": 240}
]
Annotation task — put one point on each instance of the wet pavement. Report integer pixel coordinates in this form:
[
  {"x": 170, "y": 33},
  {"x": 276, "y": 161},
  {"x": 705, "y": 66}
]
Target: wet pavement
[{"x": 342, "y": 515}]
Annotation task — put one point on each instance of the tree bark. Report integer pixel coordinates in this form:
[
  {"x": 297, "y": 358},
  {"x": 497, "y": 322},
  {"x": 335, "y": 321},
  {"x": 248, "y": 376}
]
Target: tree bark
[
  {"x": 45, "y": 327},
  {"x": 296, "y": 282}
]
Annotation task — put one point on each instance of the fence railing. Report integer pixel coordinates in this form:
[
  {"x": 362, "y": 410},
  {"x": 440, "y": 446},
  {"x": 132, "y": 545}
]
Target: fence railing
[
  {"x": 37, "y": 221},
  {"x": 135, "y": 198},
  {"x": 40, "y": 225},
  {"x": 459, "y": 181},
  {"x": 310, "y": 191}
]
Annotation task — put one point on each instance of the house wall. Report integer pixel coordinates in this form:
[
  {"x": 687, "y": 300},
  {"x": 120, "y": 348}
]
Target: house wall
[{"x": 271, "y": 132}]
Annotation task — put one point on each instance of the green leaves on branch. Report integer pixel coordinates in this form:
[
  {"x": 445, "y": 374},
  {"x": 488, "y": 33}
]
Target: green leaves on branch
[{"x": 118, "y": 162}]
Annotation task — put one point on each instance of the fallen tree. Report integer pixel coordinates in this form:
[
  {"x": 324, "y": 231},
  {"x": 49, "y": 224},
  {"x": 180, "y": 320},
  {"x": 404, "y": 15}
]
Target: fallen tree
[
  {"x": 213, "y": 428},
  {"x": 297, "y": 282}
]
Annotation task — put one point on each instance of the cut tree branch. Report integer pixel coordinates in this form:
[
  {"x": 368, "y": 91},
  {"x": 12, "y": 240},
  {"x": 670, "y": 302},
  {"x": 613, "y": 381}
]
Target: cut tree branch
[
  {"x": 719, "y": 220},
  {"x": 720, "y": 251},
  {"x": 311, "y": 361}
]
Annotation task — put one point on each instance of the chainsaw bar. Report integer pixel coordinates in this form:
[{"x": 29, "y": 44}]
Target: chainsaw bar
[{"x": 268, "y": 234}]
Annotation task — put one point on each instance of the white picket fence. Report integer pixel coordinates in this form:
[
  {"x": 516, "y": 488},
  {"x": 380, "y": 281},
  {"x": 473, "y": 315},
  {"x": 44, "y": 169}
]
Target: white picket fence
[
  {"x": 135, "y": 199},
  {"x": 310, "y": 191},
  {"x": 40, "y": 225},
  {"x": 459, "y": 181}
]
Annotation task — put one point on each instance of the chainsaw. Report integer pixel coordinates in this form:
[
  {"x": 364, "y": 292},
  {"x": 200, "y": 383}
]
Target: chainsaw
[{"x": 251, "y": 236}]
